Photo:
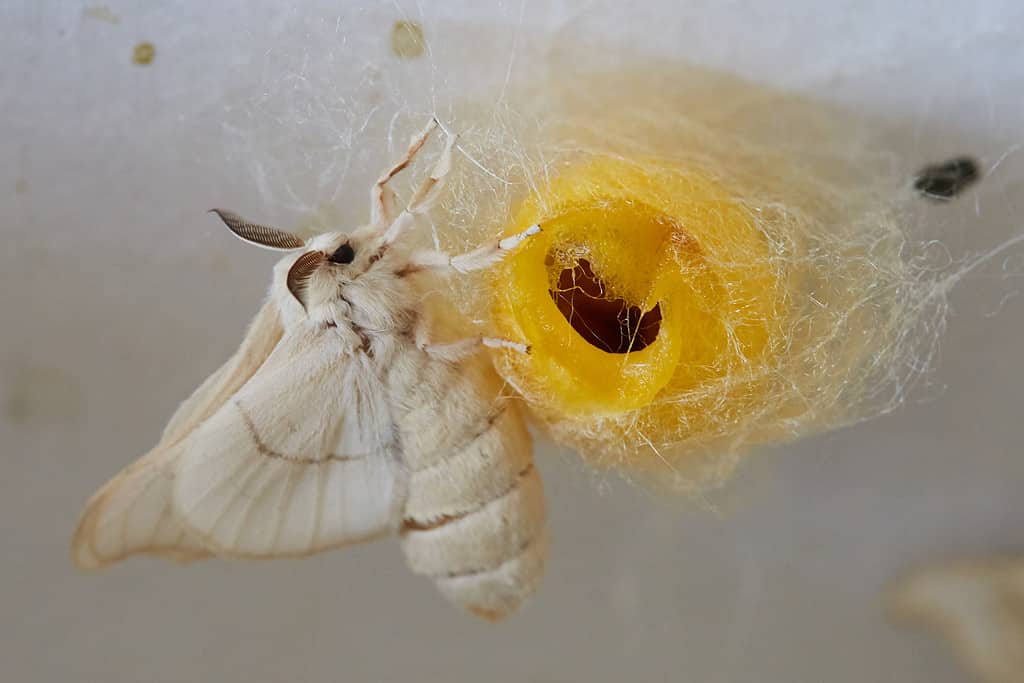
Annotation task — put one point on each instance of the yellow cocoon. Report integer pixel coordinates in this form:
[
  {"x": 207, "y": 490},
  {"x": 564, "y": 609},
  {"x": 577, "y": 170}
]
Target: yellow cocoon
[{"x": 658, "y": 238}]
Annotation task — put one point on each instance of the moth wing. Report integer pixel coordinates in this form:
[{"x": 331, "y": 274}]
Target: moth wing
[
  {"x": 300, "y": 460},
  {"x": 264, "y": 332},
  {"x": 132, "y": 513}
]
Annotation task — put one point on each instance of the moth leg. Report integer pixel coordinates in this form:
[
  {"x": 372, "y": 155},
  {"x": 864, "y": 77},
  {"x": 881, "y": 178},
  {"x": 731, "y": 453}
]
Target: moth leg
[
  {"x": 427, "y": 193},
  {"x": 455, "y": 351},
  {"x": 478, "y": 259},
  {"x": 463, "y": 348},
  {"x": 382, "y": 197}
]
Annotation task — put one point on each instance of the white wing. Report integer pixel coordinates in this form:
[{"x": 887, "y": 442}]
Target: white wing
[
  {"x": 301, "y": 459},
  {"x": 132, "y": 513},
  {"x": 262, "y": 336}
]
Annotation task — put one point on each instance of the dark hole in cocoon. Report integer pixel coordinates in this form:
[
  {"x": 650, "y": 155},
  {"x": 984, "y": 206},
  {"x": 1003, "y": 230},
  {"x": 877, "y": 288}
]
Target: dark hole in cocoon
[{"x": 611, "y": 325}]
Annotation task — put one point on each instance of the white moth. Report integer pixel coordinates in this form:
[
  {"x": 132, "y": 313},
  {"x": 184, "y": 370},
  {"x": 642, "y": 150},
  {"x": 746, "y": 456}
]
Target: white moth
[{"x": 338, "y": 420}]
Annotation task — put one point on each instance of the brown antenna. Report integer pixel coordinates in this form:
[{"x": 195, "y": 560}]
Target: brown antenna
[
  {"x": 301, "y": 272},
  {"x": 260, "y": 235}
]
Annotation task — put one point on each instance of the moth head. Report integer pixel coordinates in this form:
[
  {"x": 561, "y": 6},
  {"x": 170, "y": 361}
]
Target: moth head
[{"x": 324, "y": 263}]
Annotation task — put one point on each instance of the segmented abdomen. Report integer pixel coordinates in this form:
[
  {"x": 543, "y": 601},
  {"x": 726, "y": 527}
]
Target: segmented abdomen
[{"x": 474, "y": 516}]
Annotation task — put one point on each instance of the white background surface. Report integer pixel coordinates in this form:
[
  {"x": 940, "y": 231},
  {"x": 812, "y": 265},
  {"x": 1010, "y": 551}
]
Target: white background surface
[{"x": 118, "y": 294}]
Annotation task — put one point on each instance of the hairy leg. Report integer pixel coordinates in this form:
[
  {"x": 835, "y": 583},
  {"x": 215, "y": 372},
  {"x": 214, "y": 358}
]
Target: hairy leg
[
  {"x": 463, "y": 348},
  {"x": 478, "y": 259},
  {"x": 382, "y": 197},
  {"x": 427, "y": 193}
]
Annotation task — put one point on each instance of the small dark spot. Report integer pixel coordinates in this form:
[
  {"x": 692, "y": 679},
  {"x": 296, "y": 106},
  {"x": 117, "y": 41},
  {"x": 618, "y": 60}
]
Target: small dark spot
[
  {"x": 21, "y": 186},
  {"x": 377, "y": 255},
  {"x": 948, "y": 179},
  {"x": 408, "y": 270},
  {"x": 364, "y": 339},
  {"x": 143, "y": 54},
  {"x": 407, "y": 40},
  {"x": 411, "y": 524},
  {"x": 343, "y": 254}
]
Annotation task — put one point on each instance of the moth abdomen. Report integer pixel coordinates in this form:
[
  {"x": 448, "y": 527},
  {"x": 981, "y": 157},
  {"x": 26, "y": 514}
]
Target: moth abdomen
[
  {"x": 480, "y": 538},
  {"x": 474, "y": 516},
  {"x": 482, "y": 468},
  {"x": 495, "y": 593},
  {"x": 487, "y": 560}
]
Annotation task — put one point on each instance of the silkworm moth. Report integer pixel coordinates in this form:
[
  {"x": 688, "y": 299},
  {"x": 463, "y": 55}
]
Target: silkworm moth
[{"x": 340, "y": 420}]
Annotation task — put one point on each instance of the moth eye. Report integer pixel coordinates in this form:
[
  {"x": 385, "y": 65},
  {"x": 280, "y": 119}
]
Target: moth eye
[{"x": 343, "y": 254}]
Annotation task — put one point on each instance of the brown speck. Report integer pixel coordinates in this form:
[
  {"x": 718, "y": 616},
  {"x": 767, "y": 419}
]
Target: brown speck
[
  {"x": 487, "y": 614},
  {"x": 101, "y": 13},
  {"x": 143, "y": 54},
  {"x": 21, "y": 186},
  {"x": 407, "y": 40},
  {"x": 42, "y": 395}
]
